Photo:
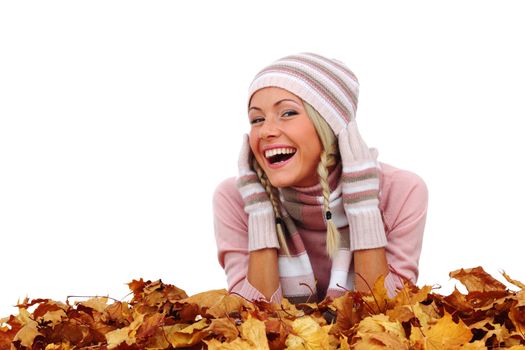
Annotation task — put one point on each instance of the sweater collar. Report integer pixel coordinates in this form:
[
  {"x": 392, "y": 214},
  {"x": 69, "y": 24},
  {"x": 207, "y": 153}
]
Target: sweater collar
[{"x": 316, "y": 190}]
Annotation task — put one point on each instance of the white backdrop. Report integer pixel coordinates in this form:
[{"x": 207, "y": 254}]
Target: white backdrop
[{"x": 119, "y": 118}]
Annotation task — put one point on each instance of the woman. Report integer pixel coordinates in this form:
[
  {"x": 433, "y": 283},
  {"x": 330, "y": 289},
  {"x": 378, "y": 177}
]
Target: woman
[{"x": 312, "y": 213}]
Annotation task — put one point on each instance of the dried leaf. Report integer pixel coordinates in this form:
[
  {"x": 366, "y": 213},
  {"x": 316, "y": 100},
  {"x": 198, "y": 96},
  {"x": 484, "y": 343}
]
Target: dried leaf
[
  {"x": 307, "y": 334},
  {"x": 477, "y": 280},
  {"x": 514, "y": 282}
]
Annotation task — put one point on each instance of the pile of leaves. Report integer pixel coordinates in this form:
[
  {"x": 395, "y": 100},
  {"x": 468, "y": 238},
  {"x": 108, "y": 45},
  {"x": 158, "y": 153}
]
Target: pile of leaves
[{"x": 162, "y": 316}]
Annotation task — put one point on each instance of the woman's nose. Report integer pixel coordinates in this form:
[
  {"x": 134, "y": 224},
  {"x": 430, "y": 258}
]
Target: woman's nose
[{"x": 269, "y": 129}]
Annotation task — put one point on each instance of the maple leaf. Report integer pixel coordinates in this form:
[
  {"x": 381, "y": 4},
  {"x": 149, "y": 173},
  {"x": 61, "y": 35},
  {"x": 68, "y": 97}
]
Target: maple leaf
[
  {"x": 277, "y": 331},
  {"x": 349, "y": 312},
  {"x": 379, "y": 332},
  {"x": 29, "y": 330},
  {"x": 125, "y": 334},
  {"x": 8, "y": 332},
  {"x": 237, "y": 344},
  {"x": 410, "y": 295},
  {"x": 442, "y": 334},
  {"x": 477, "y": 280},
  {"x": 378, "y": 299},
  {"x": 514, "y": 282},
  {"x": 183, "y": 335},
  {"x": 254, "y": 331},
  {"x": 224, "y": 328},
  {"x": 150, "y": 324},
  {"x": 162, "y": 316},
  {"x": 308, "y": 334},
  {"x": 98, "y": 304}
]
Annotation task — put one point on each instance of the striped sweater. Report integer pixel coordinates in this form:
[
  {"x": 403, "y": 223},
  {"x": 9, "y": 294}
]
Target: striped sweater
[{"x": 403, "y": 204}]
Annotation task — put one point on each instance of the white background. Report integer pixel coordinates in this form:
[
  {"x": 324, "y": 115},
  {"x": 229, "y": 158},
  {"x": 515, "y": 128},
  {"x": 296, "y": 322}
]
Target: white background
[{"x": 119, "y": 118}]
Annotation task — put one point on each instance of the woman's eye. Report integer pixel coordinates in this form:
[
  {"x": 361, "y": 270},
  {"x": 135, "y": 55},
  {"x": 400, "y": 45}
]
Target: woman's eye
[
  {"x": 256, "y": 120},
  {"x": 290, "y": 113}
]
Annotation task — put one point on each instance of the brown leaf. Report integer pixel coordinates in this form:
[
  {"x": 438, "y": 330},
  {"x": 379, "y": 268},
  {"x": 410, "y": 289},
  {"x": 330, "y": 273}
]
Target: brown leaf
[
  {"x": 224, "y": 328},
  {"x": 444, "y": 334},
  {"x": 349, "y": 312},
  {"x": 378, "y": 299},
  {"x": 254, "y": 332},
  {"x": 514, "y": 282},
  {"x": 477, "y": 280},
  {"x": 308, "y": 334},
  {"x": 181, "y": 335},
  {"x": 277, "y": 331},
  {"x": 149, "y": 325}
]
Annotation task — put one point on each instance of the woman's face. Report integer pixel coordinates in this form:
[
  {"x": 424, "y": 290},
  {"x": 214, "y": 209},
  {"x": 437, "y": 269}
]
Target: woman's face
[{"x": 283, "y": 138}]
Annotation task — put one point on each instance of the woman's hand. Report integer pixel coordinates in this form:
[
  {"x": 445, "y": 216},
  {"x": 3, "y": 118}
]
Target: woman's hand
[
  {"x": 263, "y": 268},
  {"x": 360, "y": 182},
  {"x": 361, "y": 202},
  {"x": 261, "y": 218}
]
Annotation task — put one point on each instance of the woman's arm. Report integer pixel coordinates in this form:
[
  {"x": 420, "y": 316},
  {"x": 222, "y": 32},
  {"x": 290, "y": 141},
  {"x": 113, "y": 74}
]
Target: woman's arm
[
  {"x": 404, "y": 218},
  {"x": 369, "y": 264},
  {"x": 231, "y": 234},
  {"x": 263, "y": 271}
]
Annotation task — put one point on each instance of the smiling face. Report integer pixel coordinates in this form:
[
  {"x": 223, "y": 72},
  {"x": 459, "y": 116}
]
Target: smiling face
[{"x": 283, "y": 139}]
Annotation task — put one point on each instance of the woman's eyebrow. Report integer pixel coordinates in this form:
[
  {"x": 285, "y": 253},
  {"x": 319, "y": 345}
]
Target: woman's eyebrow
[{"x": 276, "y": 103}]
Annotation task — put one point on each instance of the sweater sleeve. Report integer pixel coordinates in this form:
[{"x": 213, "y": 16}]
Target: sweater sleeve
[
  {"x": 405, "y": 218},
  {"x": 230, "y": 223}
]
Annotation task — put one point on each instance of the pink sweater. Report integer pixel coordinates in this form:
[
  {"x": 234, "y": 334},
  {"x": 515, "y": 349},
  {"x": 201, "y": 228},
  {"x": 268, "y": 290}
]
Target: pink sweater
[{"x": 403, "y": 202}]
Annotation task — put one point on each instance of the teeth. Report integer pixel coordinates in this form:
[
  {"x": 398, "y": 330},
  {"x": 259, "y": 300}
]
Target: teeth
[{"x": 275, "y": 151}]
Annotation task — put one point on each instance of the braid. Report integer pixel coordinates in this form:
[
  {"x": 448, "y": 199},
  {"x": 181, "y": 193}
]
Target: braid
[
  {"x": 332, "y": 233},
  {"x": 276, "y": 204}
]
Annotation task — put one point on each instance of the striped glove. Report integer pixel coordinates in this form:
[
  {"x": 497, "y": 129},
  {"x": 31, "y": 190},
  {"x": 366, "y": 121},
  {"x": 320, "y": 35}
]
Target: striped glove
[
  {"x": 360, "y": 182},
  {"x": 261, "y": 218}
]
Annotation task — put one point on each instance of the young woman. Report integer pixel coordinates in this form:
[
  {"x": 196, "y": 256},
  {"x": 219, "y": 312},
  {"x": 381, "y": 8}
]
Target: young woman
[{"x": 312, "y": 213}]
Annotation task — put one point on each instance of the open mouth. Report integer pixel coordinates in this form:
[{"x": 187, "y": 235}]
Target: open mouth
[{"x": 279, "y": 155}]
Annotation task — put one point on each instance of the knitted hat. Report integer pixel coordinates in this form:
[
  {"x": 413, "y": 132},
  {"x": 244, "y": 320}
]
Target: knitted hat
[{"x": 326, "y": 84}]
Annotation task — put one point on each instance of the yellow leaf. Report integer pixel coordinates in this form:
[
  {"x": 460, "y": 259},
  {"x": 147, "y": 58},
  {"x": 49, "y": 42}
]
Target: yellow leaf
[
  {"x": 98, "y": 303},
  {"x": 61, "y": 346},
  {"x": 237, "y": 344},
  {"x": 344, "y": 343},
  {"x": 224, "y": 327},
  {"x": 514, "y": 282},
  {"x": 307, "y": 334},
  {"x": 205, "y": 299},
  {"x": 407, "y": 297},
  {"x": 380, "y": 324},
  {"x": 380, "y": 341},
  {"x": 379, "y": 299},
  {"x": 29, "y": 331},
  {"x": 125, "y": 334},
  {"x": 446, "y": 334},
  {"x": 186, "y": 335},
  {"x": 477, "y": 345},
  {"x": 254, "y": 332},
  {"x": 54, "y": 317}
]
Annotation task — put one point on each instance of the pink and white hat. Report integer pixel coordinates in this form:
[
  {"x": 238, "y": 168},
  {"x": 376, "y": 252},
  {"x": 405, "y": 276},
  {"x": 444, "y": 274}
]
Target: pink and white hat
[{"x": 328, "y": 85}]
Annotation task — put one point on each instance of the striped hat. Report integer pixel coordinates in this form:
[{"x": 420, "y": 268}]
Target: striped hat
[{"x": 326, "y": 84}]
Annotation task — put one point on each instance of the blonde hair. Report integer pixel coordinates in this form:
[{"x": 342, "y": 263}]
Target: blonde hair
[{"x": 329, "y": 157}]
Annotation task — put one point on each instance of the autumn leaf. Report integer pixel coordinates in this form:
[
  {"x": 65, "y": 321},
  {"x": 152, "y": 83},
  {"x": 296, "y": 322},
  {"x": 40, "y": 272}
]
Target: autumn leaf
[
  {"x": 443, "y": 334},
  {"x": 224, "y": 328},
  {"x": 237, "y": 344},
  {"x": 181, "y": 335},
  {"x": 125, "y": 334},
  {"x": 378, "y": 299},
  {"x": 162, "y": 316},
  {"x": 307, "y": 334},
  {"x": 29, "y": 329},
  {"x": 477, "y": 280},
  {"x": 254, "y": 331}
]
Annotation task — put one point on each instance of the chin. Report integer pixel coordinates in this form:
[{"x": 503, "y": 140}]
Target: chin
[{"x": 280, "y": 182}]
